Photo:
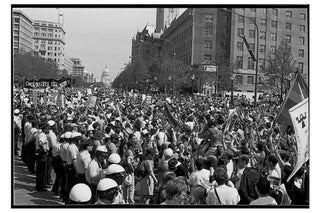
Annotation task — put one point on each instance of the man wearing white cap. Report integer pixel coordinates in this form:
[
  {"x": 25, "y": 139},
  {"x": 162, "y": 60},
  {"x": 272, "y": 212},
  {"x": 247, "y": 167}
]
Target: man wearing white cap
[
  {"x": 17, "y": 128},
  {"x": 94, "y": 171},
  {"x": 63, "y": 154},
  {"x": 42, "y": 148},
  {"x": 52, "y": 139},
  {"x": 72, "y": 152},
  {"x": 83, "y": 160}
]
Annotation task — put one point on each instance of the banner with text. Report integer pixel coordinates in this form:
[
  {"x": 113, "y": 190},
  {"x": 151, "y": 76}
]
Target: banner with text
[{"x": 300, "y": 119}]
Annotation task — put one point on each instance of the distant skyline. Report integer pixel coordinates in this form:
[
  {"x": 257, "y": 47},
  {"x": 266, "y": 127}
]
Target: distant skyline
[{"x": 98, "y": 36}]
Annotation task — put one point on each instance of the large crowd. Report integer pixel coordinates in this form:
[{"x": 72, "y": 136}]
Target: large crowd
[{"x": 166, "y": 150}]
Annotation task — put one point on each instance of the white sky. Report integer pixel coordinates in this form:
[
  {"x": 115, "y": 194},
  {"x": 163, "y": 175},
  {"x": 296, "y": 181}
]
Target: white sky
[{"x": 98, "y": 36}]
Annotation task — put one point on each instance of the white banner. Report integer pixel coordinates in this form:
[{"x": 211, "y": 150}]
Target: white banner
[{"x": 300, "y": 118}]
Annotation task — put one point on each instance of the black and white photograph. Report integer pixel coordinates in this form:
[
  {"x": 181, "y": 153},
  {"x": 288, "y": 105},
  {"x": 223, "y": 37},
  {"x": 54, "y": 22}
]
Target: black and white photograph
[{"x": 160, "y": 106}]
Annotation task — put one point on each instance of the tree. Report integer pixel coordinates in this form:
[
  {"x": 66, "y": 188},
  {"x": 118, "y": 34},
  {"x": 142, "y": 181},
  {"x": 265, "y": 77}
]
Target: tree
[
  {"x": 279, "y": 67},
  {"x": 29, "y": 67}
]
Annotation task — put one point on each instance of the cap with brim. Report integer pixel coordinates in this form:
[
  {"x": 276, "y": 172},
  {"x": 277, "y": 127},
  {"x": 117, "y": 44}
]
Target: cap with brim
[
  {"x": 102, "y": 149},
  {"x": 114, "y": 168},
  {"x": 16, "y": 111},
  {"x": 75, "y": 134},
  {"x": 114, "y": 158},
  {"x": 67, "y": 135}
]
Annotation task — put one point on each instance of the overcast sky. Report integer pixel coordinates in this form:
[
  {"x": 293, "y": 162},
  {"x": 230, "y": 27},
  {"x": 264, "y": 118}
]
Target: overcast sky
[{"x": 98, "y": 36}]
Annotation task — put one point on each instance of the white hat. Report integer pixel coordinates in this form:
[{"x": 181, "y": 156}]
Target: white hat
[
  {"x": 90, "y": 128},
  {"x": 114, "y": 168},
  {"x": 105, "y": 184},
  {"x": 16, "y": 111},
  {"x": 67, "y": 134},
  {"x": 102, "y": 149},
  {"x": 51, "y": 123},
  {"x": 114, "y": 158},
  {"x": 168, "y": 152},
  {"x": 75, "y": 134},
  {"x": 80, "y": 193}
]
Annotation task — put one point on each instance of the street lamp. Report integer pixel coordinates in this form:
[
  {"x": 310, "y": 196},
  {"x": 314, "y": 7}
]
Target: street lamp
[
  {"x": 192, "y": 78},
  {"x": 165, "y": 49},
  {"x": 232, "y": 82},
  {"x": 257, "y": 53}
]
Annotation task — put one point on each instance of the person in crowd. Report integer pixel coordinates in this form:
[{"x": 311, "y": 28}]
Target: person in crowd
[
  {"x": 80, "y": 194},
  {"x": 83, "y": 160},
  {"x": 52, "y": 139},
  {"x": 42, "y": 148},
  {"x": 222, "y": 194},
  {"x": 72, "y": 152},
  {"x": 175, "y": 192},
  {"x": 94, "y": 171},
  {"x": 263, "y": 189},
  {"x": 149, "y": 181},
  {"x": 108, "y": 192}
]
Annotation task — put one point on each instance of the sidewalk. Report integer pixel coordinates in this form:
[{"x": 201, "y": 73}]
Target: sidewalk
[{"x": 24, "y": 188}]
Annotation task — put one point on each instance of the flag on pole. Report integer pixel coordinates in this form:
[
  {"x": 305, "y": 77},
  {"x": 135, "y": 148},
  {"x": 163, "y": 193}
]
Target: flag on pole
[
  {"x": 300, "y": 119},
  {"x": 298, "y": 92}
]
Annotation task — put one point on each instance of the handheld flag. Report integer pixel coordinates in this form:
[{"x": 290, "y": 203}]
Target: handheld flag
[
  {"x": 300, "y": 119},
  {"x": 297, "y": 93}
]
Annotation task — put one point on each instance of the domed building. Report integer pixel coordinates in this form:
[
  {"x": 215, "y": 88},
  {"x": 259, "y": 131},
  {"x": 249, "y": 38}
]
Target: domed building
[{"x": 105, "y": 77}]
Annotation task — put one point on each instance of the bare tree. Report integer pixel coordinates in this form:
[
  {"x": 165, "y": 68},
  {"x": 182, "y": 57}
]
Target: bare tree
[{"x": 279, "y": 67}]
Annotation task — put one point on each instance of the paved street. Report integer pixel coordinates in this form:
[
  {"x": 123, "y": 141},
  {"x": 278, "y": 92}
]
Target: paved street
[{"x": 24, "y": 188}]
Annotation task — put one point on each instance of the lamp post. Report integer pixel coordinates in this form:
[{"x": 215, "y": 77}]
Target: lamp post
[
  {"x": 192, "y": 78},
  {"x": 165, "y": 49},
  {"x": 174, "y": 56},
  {"x": 232, "y": 82},
  {"x": 257, "y": 53}
]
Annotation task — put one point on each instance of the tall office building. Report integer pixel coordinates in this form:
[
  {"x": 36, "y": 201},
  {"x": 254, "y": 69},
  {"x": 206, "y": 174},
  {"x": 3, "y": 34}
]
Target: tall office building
[
  {"x": 49, "y": 41},
  {"x": 68, "y": 65},
  {"x": 212, "y": 38},
  {"x": 22, "y": 32},
  {"x": 164, "y": 18},
  {"x": 78, "y": 68}
]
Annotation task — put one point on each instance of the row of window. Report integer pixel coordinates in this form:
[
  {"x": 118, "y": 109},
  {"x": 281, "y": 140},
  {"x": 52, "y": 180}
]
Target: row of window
[
  {"x": 239, "y": 79},
  {"x": 263, "y": 48},
  {"x": 274, "y": 24},
  {"x": 36, "y": 41},
  {"x": 302, "y": 16},
  {"x": 46, "y": 35},
  {"x": 273, "y": 36},
  {"x": 239, "y": 63}
]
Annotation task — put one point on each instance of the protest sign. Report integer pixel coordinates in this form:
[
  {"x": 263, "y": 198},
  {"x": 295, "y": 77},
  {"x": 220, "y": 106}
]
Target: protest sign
[{"x": 300, "y": 119}]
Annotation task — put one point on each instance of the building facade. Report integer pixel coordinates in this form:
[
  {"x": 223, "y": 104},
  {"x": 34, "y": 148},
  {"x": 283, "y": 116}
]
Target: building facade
[
  {"x": 141, "y": 43},
  {"x": 203, "y": 37},
  {"x": 49, "y": 41},
  {"x": 164, "y": 18},
  {"x": 78, "y": 68},
  {"x": 88, "y": 76},
  {"x": 68, "y": 65},
  {"x": 275, "y": 25},
  {"x": 22, "y": 32}
]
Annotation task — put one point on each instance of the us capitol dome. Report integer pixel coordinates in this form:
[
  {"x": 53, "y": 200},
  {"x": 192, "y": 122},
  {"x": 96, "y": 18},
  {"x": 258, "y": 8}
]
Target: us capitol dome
[{"x": 105, "y": 76}]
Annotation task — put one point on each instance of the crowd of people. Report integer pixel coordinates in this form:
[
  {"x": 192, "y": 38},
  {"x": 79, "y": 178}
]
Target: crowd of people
[{"x": 170, "y": 150}]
